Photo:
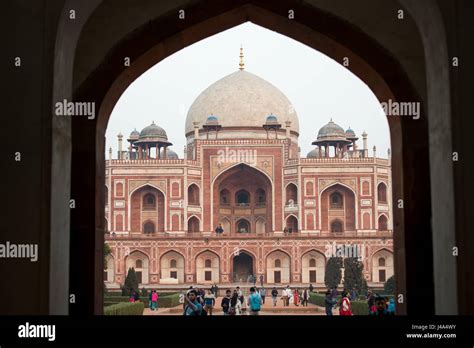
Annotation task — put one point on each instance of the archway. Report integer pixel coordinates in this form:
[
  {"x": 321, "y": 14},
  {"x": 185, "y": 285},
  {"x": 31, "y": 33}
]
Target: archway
[
  {"x": 251, "y": 192},
  {"x": 278, "y": 267},
  {"x": 147, "y": 210},
  {"x": 337, "y": 209},
  {"x": 382, "y": 266},
  {"x": 140, "y": 262},
  {"x": 172, "y": 268},
  {"x": 193, "y": 224},
  {"x": 243, "y": 267},
  {"x": 313, "y": 267},
  {"x": 381, "y": 61},
  {"x": 207, "y": 268}
]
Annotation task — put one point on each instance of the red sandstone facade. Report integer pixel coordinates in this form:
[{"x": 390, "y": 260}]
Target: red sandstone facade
[{"x": 280, "y": 214}]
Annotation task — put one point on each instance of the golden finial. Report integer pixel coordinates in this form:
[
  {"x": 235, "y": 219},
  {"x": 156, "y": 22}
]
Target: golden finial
[{"x": 241, "y": 64}]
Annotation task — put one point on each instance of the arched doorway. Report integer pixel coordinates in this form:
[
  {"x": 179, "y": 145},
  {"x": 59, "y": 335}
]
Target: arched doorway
[
  {"x": 278, "y": 267},
  {"x": 389, "y": 68},
  {"x": 246, "y": 193},
  {"x": 172, "y": 268},
  {"x": 337, "y": 209},
  {"x": 207, "y": 268},
  {"x": 140, "y": 262},
  {"x": 193, "y": 225},
  {"x": 313, "y": 265},
  {"x": 242, "y": 267}
]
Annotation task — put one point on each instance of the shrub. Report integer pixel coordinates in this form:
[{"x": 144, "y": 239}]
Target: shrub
[
  {"x": 353, "y": 275},
  {"x": 359, "y": 308},
  {"x": 131, "y": 282},
  {"x": 168, "y": 301},
  {"x": 144, "y": 293},
  {"x": 316, "y": 299},
  {"x": 332, "y": 276},
  {"x": 131, "y": 308},
  {"x": 389, "y": 286},
  {"x": 165, "y": 300}
]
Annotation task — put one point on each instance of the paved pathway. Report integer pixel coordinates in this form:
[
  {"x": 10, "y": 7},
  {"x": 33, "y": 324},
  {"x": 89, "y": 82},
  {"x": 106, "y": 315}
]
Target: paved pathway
[{"x": 267, "y": 309}]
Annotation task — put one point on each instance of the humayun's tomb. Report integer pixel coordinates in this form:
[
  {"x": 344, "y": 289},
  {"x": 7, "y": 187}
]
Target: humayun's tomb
[{"x": 242, "y": 170}]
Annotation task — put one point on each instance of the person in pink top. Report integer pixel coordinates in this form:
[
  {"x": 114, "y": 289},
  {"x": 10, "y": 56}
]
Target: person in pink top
[{"x": 154, "y": 300}]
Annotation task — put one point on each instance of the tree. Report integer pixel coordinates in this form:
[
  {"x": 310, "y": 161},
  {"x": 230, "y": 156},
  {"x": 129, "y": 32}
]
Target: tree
[
  {"x": 107, "y": 252},
  {"x": 131, "y": 282},
  {"x": 389, "y": 286},
  {"x": 353, "y": 275},
  {"x": 332, "y": 274}
]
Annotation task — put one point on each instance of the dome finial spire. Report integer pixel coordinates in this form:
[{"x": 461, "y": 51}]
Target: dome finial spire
[{"x": 241, "y": 63}]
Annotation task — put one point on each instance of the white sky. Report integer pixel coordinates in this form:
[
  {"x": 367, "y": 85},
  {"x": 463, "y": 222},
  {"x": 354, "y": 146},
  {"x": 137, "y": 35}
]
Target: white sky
[{"x": 318, "y": 87}]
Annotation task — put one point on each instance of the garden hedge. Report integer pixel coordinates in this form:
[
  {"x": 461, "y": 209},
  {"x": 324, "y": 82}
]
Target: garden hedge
[
  {"x": 130, "y": 308},
  {"x": 165, "y": 300}
]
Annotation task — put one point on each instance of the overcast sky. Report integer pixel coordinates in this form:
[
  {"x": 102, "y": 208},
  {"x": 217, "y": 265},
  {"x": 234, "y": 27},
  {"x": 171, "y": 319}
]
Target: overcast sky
[{"x": 318, "y": 87}]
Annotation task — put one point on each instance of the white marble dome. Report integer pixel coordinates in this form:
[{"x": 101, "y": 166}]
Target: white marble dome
[{"x": 241, "y": 99}]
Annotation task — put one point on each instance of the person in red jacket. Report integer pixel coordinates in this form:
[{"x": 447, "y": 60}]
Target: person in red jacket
[{"x": 345, "y": 308}]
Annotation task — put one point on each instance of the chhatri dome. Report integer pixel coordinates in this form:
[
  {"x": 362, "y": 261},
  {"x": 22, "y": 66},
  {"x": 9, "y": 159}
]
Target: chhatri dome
[{"x": 241, "y": 99}]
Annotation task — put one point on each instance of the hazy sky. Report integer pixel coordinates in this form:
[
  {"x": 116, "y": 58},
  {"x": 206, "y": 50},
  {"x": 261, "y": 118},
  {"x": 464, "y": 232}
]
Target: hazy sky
[{"x": 318, "y": 87}]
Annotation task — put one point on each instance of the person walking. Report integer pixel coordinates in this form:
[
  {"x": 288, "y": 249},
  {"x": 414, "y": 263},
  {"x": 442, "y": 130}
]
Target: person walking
[
  {"x": 263, "y": 294},
  {"x": 296, "y": 297},
  {"x": 274, "y": 296},
  {"x": 311, "y": 288},
  {"x": 305, "y": 298},
  {"x": 192, "y": 306},
  {"x": 153, "y": 300},
  {"x": 329, "y": 302},
  {"x": 261, "y": 280},
  {"x": 235, "y": 304},
  {"x": 225, "y": 303},
  {"x": 284, "y": 297},
  {"x": 254, "y": 302},
  {"x": 345, "y": 308},
  {"x": 209, "y": 302}
]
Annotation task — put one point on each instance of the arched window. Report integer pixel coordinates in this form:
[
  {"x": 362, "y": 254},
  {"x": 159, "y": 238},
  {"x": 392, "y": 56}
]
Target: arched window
[
  {"x": 261, "y": 197},
  {"x": 243, "y": 226},
  {"x": 382, "y": 193},
  {"x": 207, "y": 263},
  {"x": 173, "y": 263},
  {"x": 149, "y": 202},
  {"x": 277, "y": 263},
  {"x": 336, "y": 226},
  {"x": 149, "y": 227},
  {"x": 382, "y": 223},
  {"x": 312, "y": 263},
  {"x": 381, "y": 262},
  {"x": 225, "y": 197},
  {"x": 242, "y": 197},
  {"x": 139, "y": 264},
  {"x": 193, "y": 194},
  {"x": 291, "y": 194},
  {"x": 336, "y": 200}
]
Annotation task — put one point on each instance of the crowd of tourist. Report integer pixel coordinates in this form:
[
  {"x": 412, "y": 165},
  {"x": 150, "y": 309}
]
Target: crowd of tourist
[
  {"x": 198, "y": 301},
  {"x": 376, "y": 304}
]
